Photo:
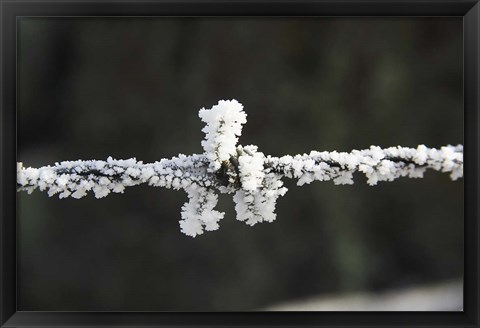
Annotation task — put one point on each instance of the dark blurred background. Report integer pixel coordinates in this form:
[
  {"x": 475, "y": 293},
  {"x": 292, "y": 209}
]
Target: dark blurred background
[{"x": 89, "y": 88}]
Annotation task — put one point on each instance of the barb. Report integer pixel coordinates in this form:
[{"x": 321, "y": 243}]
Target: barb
[{"x": 253, "y": 178}]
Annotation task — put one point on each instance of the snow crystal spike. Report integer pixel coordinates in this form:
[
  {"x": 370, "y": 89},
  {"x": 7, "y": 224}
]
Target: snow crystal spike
[{"x": 255, "y": 180}]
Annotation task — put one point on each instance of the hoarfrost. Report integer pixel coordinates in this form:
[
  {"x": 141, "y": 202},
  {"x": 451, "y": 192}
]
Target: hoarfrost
[{"x": 255, "y": 180}]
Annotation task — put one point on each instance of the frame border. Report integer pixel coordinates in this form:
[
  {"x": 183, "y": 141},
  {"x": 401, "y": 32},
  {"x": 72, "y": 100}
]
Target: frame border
[{"x": 10, "y": 10}]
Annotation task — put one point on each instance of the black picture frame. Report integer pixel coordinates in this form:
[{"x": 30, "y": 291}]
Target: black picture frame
[{"x": 10, "y": 10}]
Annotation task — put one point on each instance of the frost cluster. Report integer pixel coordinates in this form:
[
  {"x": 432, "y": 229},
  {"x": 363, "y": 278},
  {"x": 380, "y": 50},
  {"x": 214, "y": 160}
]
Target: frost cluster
[
  {"x": 255, "y": 180},
  {"x": 260, "y": 187},
  {"x": 198, "y": 213},
  {"x": 224, "y": 126}
]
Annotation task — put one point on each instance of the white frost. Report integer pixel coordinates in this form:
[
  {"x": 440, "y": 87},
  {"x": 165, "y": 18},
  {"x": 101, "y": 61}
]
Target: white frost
[
  {"x": 223, "y": 127},
  {"x": 255, "y": 180}
]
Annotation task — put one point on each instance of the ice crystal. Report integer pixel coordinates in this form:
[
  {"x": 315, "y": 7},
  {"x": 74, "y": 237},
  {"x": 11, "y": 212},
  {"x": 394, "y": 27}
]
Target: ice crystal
[{"x": 255, "y": 180}]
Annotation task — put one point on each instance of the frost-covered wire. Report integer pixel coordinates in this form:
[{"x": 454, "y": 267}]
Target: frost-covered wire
[
  {"x": 376, "y": 163},
  {"x": 255, "y": 180}
]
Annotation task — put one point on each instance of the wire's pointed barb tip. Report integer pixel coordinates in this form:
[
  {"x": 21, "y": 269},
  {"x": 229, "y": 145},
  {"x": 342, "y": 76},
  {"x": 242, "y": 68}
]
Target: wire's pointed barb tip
[{"x": 223, "y": 127}]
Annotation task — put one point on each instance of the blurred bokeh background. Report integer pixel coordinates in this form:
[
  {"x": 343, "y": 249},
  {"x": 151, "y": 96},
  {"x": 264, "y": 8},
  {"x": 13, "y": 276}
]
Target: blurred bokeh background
[{"x": 89, "y": 88}]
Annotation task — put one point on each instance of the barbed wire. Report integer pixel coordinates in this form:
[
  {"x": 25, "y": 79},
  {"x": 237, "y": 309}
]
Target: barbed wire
[{"x": 225, "y": 167}]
